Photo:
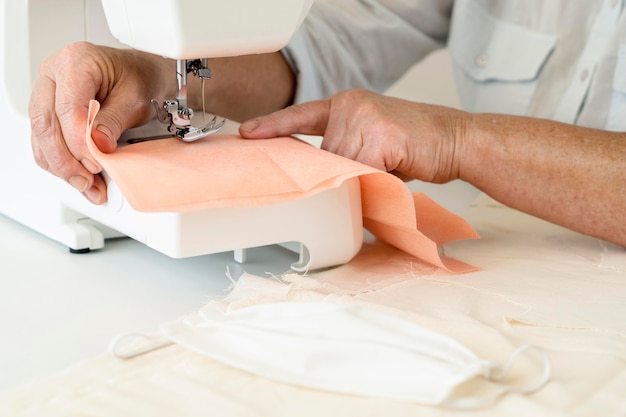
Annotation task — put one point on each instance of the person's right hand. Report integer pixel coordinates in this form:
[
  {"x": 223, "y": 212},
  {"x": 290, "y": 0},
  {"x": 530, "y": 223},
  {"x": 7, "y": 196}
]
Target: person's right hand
[
  {"x": 123, "y": 81},
  {"x": 411, "y": 140}
]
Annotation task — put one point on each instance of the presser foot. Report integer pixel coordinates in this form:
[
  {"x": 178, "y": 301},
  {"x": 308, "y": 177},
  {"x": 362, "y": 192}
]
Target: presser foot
[
  {"x": 181, "y": 126},
  {"x": 191, "y": 133}
]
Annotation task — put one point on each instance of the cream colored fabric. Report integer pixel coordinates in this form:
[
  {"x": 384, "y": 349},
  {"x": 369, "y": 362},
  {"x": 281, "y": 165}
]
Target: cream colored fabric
[{"x": 539, "y": 284}]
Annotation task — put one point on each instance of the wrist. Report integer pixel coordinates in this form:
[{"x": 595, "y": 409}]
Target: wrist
[
  {"x": 458, "y": 156},
  {"x": 472, "y": 147}
]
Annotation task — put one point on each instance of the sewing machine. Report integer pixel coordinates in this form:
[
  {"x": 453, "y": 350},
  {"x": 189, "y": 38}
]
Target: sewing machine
[{"x": 326, "y": 227}]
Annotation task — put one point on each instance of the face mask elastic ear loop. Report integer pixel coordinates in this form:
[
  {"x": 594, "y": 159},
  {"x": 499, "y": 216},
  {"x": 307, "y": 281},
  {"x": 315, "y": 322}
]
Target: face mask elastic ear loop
[
  {"x": 117, "y": 344},
  {"x": 499, "y": 373}
]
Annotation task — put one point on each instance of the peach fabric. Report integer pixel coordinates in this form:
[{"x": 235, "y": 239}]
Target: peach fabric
[{"x": 169, "y": 175}]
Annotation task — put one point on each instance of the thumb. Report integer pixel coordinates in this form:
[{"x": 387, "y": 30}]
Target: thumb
[
  {"x": 308, "y": 119},
  {"x": 112, "y": 120},
  {"x": 102, "y": 135}
]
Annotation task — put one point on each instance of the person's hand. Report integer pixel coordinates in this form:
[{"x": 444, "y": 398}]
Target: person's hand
[
  {"x": 409, "y": 139},
  {"x": 123, "y": 81}
]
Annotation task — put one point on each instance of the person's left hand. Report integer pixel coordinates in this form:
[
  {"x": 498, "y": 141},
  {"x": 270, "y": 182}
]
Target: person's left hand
[{"x": 409, "y": 139}]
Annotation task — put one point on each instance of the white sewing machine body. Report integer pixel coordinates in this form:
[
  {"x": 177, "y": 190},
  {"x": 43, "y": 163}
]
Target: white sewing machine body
[
  {"x": 328, "y": 225},
  {"x": 187, "y": 29}
]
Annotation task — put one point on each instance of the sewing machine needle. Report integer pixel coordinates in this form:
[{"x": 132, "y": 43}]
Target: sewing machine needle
[{"x": 203, "y": 106}]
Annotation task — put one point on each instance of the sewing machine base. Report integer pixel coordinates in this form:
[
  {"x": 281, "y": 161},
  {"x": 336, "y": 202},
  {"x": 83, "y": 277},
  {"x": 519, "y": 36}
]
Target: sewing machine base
[{"x": 327, "y": 226}]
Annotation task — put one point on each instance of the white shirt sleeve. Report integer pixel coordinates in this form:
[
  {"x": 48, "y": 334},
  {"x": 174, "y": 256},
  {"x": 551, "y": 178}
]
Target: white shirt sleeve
[{"x": 363, "y": 43}]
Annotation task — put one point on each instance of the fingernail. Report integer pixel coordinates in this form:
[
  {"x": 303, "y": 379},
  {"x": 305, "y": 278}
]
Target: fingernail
[
  {"x": 78, "y": 182},
  {"x": 250, "y": 125},
  {"x": 90, "y": 166},
  {"x": 104, "y": 130},
  {"x": 103, "y": 138},
  {"x": 94, "y": 195}
]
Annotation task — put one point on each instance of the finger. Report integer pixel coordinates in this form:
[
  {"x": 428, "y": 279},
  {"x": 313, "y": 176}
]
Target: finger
[
  {"x": 120, "y": 111},
  {"x": 121, "y": 94},
  {"x": 376, "y": 149},
  {"x": 308, "y": 119},
  {"x": 48, "y": 144},
  {"x": 343, "y": 134},
  {"x": 372, "y": 157},
  {"x": 350, "y": 124},
  {"x": 72, "y": 98},
  {"x": 97, "y": 193},
  {"x": 403, "y": 177}
]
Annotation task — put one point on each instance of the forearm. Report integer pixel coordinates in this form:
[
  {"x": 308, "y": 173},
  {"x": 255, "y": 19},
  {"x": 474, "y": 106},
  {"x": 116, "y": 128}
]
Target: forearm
[
  {"x": 241, "y": 87},
  {"x": 354, "y": 44},
  {"x": 566, "y": 174}
]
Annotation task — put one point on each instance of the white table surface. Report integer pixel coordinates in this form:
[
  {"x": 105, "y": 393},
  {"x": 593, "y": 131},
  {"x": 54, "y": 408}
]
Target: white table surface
[{"x": 57, "y": 308}]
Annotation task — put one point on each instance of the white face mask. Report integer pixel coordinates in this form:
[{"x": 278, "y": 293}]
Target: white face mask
[{"x": 335, "y": 347}]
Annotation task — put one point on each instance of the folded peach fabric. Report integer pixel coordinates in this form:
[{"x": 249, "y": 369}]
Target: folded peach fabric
[{"x": 169, "y": 175}]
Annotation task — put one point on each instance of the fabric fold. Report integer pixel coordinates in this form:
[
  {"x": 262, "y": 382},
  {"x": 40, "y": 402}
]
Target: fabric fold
[{"x": 168, "y": 175}]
